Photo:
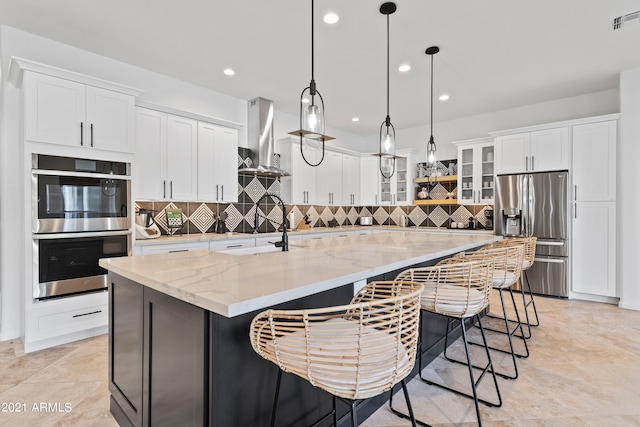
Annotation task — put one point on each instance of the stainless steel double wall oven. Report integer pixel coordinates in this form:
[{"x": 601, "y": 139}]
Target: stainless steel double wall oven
[{"x": 80, "y": 213}]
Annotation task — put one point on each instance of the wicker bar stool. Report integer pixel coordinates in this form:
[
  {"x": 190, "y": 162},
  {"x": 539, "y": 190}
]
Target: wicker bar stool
[
  {"x": 529, "y": 244},
  {"x": 354, "y": 352},
  {"x": 459, "y": 291},
  {"x": 507, "y": 262}
]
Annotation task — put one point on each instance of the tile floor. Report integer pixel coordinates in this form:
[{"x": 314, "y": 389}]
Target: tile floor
[{"x": 584, "y": 370}]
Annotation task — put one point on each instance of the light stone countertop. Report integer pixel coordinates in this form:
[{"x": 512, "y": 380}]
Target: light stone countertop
[{"x": 231, "y": 285}]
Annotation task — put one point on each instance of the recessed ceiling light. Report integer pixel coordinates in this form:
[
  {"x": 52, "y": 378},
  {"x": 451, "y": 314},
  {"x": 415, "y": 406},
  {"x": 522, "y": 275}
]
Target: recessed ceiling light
[
  {"x": 355, "y": 119},
  {"x": 229, "y": 72},
  {"x": 404, "y": 68},
  {"x": 331, "y": 18},
  {"x": 443, "y": 97}
]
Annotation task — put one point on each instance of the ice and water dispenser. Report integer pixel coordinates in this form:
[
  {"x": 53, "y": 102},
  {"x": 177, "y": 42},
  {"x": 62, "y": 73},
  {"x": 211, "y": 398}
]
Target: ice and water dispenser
[{"x": 512, "y": 222}]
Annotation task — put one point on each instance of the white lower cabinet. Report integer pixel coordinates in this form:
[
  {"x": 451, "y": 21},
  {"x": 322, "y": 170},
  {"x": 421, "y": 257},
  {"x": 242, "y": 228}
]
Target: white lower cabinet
[
  {"x": 593, "y": 248},
  {"x": 56, "y": 322}
]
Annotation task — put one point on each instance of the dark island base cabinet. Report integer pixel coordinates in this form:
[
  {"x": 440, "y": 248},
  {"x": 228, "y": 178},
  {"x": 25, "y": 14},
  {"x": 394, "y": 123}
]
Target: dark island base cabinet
[
  {"x": 158, "y": 352},
  {"x": 172, "y": 363}
]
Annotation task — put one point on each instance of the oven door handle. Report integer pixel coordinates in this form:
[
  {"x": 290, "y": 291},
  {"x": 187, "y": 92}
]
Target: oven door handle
[
  {"x": 80, "y": 174},
  {"x": 49, "y": 236}
]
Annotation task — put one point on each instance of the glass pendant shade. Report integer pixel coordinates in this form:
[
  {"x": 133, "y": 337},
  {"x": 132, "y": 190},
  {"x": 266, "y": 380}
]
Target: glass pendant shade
[
  {"x": 431, "y": 152},
  {"x": 312, "y": 117},
  {"x": 388, "y": 142}
]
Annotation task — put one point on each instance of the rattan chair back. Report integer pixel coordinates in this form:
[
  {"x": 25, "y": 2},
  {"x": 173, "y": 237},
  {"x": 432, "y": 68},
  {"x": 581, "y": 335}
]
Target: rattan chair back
[
  {"x": 529, "y": 244},
  {"x": 507, "y": 262},
  {"x": 353, "y": 351},
  {"x": 454, "y": 289}
]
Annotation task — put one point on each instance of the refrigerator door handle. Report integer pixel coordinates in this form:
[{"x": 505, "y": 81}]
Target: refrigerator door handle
[
  {"x": 550, "y": 260},
  {"x": 532, "y": 202}
]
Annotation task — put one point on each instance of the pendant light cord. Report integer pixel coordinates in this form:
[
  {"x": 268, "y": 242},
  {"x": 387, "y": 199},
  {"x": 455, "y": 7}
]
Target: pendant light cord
[
  {"x": 387, "y": 70},
  {"x": 313, "y": 83},
  {"x": 432, "y": 97}
]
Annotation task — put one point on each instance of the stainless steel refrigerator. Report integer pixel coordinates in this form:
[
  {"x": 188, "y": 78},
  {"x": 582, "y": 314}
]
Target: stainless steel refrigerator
[{"x": 535, "y": 204}]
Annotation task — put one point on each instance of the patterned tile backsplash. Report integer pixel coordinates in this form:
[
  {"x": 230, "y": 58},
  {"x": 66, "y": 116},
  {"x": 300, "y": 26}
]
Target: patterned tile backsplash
[{"x": 240, "y": 217}]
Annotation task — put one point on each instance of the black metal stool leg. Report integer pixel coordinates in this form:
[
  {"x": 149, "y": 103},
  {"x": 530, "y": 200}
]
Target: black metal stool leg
[
  {"x": 335, "y": 413},
  {"x": 354, "y": 415},
  {"x": 473, "y": 381},
  {"x": 411, "y": 417},
  {"x": 531, "y": 301},
  {"x": 275, "y": 399}
]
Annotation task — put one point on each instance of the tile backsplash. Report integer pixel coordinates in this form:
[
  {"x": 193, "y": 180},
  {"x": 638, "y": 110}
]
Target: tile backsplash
[{"x": 201, "y": 217}]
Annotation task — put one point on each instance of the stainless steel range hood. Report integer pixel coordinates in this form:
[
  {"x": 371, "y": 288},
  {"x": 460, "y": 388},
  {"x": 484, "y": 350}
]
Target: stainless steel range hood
[{"x": 261, "y": 142}]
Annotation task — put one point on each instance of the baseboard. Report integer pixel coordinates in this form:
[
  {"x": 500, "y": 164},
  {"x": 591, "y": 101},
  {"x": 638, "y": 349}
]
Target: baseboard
[
  {"x": 594, "y": 298},
  {"x": 64, "y": 339},
  {"x": 11, "y": 335}
]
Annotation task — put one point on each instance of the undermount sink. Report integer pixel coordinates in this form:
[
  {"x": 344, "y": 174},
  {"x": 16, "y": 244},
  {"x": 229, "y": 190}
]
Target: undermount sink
[{"x": 256, "y": 250}]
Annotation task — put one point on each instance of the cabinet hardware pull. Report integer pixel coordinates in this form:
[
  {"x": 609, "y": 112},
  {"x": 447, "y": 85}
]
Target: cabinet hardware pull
[
  {"x": 81, "y": 134},
  {"x": 533, "y": 163},
  {"x": 179, "y": 250},
  {"x": 526, "y": 163},
  {"x": 217, "y": 192},
  {"x": 91, "y": 129},
  {"x": 164, "y": 189},
  {"x": 575, "y": 192},
  {"x": 87, "y": 314},
  {"x": 233, "y": 246},
  {"x": 171, "y": 189},
  {"x": 222, "y": 192}
]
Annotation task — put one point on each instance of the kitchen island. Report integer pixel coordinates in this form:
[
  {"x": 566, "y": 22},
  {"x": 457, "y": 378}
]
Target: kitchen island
[{"x": 179, "y": 324}]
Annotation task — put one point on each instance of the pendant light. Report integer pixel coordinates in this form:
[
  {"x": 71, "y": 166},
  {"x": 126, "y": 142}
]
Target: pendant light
[
  {"x": 431, "y": 146},
  {"x": 312, "y": 115},
  {"x": 387, "y": 152}
]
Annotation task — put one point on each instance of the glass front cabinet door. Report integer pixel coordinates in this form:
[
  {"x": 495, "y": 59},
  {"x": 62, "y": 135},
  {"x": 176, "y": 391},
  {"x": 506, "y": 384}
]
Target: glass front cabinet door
[{"x": 476, "y": 171}]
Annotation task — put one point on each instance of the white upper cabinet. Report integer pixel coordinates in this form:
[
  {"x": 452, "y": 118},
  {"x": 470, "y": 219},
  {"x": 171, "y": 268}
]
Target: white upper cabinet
[
  {"x": 594, "y": 161},
  {"x": 182, "y": 159},
  {"x": 217, "y": 163},
  {"x": 166, "y": 157},
  {"x": 61, "y": 111},
  {"x": 537, "y": 151},
  {"x": 149, "y": 167},
  {"x": 369, "y": 180},
  {"x": 350, "y": 179},
  {"x": 329, "y": 179},
  {"x": 300, "y": 186},
  {"x": 549, "y": 150}
]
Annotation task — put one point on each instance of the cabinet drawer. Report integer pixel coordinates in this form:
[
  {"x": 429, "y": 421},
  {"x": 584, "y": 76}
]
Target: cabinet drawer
[
  {"x": 51, "y": 319},
  {"x": 232, "y": 244},
  {"x": 175, "y": 247}
]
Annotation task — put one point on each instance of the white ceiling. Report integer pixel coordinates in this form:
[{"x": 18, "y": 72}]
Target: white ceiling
[{"x": 495, "y": 54}]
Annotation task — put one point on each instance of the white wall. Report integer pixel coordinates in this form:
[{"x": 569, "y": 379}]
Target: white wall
[{"x": 628, "y": 195}]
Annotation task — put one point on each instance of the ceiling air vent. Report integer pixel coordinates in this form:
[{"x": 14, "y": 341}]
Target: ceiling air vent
[{"x": 621, "y": 21}]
